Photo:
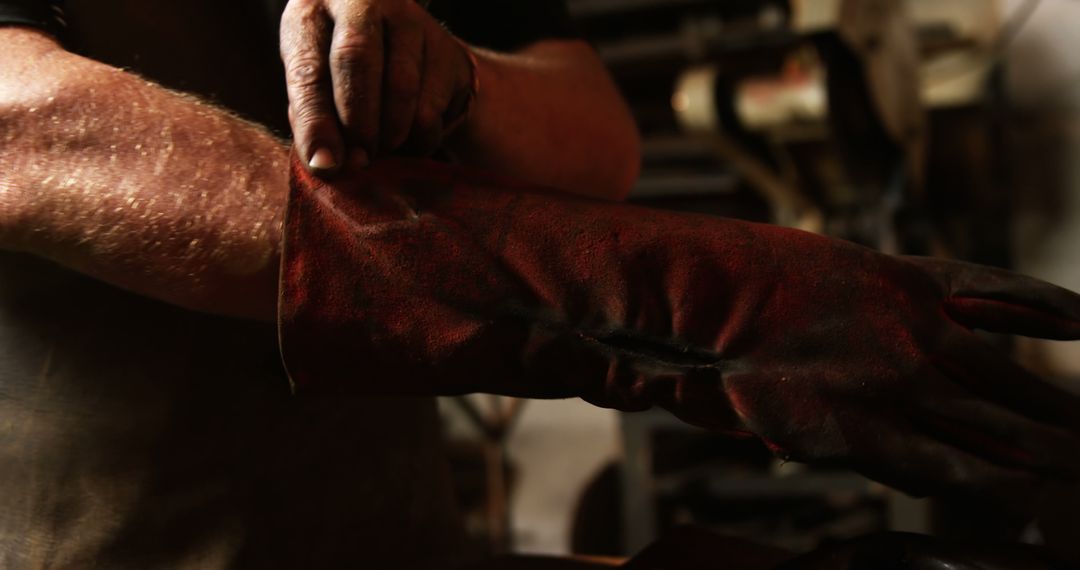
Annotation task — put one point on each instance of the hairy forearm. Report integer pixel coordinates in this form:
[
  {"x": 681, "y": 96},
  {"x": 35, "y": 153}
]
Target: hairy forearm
[
  {"x": 147, "y": 189},
  {"x": 172, "y": 198},
  {"x": 552, "y": 104}
]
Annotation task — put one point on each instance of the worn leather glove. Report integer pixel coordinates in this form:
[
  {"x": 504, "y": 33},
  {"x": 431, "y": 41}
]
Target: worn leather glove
[
  {"x": 698, "y": 549},
  {"x": 694, "y": 548},
  {"x": 906, "y": 551},
  {"x": 414, "y": 277}
]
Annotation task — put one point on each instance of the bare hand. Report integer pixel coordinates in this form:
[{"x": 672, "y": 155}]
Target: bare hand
[{"x": 370, "y": 77}]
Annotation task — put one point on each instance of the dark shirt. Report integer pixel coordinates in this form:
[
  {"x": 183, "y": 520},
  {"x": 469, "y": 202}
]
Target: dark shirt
[
  {"x": 504, "y": 25},
  {"x": 44, "y": 14},
  {"x": 134, "y": 434}
]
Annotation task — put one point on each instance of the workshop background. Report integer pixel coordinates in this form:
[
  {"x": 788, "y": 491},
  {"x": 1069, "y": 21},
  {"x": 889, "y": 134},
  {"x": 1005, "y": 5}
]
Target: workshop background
[{"x": 944, "y": 127}]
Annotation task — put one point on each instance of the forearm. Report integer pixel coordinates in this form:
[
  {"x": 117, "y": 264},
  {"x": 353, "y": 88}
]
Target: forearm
[
  {"x": 139, "y": 186},
  {"x": 551, "y": 104}
]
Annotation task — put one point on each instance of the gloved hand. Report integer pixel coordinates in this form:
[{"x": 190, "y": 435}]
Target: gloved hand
[
  {"x": 413, "y": 277},
  {"x": 694, "y": 548},
  {"x": 691, "y": 548},
  {"x": 905, "y": 551}
]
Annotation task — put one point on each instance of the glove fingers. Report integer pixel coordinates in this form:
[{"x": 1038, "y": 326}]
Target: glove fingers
[
  {"x": 920, "y": 464},
  {"x": 1011, "y": 318},
  {"x": 905, "y": 551},
  {"x": 1001, "y": 301},
  {"x": 987, "y": 372},
  {"x": 1001, "y": 436}
]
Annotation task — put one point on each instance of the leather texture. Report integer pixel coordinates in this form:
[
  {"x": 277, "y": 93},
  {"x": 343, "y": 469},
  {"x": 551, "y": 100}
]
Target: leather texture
[
  {"x": 416, "y": 277},
  {"x": 906, "y": 551},
  {"x": 691, "y": 548}
]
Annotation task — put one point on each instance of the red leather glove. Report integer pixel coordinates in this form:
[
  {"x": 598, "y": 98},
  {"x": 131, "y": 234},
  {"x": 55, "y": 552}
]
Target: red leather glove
[
  {"x": 697, "y": 549},
  {"x": 413, "y": 277},
  {"x": 693, "y": 548},
  {"x": 905, "y": 551}
]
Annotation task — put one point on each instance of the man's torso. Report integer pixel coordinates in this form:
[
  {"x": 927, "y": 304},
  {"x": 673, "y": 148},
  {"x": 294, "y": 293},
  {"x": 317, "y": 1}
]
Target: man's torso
[{"x": 139, "y": 435}]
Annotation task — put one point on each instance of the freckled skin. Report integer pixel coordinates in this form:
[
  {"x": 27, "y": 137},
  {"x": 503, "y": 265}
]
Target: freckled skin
[
  {"x": 138, "y": 435},
  {"x": 134, "y": 434},
  {"x": 110, "y": 462},
  {"x": 134, "y": 184},
  {"x": 201, "y": 227},
  {"x": 546, "y": 105}
]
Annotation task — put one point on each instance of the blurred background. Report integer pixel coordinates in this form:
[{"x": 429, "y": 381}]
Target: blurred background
[{"x": 943, "y": 127}]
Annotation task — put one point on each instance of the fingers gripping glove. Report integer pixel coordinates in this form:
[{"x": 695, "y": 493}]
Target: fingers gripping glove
[{"x": 413, "y": 277}]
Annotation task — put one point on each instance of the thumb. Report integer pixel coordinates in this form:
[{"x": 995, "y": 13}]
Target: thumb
[{"x": 1001, "y": 301}]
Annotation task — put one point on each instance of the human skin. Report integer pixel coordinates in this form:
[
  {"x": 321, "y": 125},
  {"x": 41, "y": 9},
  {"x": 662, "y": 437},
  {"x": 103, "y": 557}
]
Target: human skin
[
  {"x": 138, "y": 435},
  {"x": 130, "y": 380},
  {"x": 381, "y": 76},
  {"x": 229, "y": 279},
  {"x": 142, "y": 187},
  {"x": 170, "y": 197}
]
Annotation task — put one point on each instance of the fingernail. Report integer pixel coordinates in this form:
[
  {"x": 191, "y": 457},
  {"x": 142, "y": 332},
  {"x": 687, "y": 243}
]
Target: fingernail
[{"x": 322, "y": 159}]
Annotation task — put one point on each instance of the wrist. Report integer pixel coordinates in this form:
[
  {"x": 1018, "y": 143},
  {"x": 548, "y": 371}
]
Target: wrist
[
  {"x": 469, "y": 126},
  {"x": 462, "y": 114}
]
